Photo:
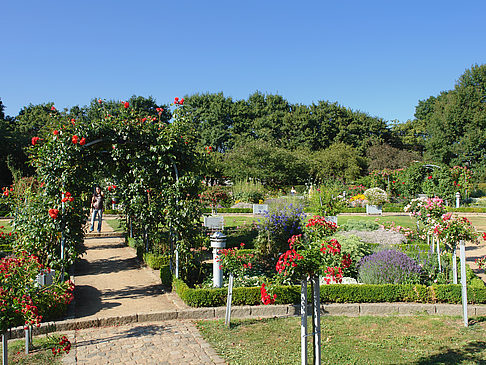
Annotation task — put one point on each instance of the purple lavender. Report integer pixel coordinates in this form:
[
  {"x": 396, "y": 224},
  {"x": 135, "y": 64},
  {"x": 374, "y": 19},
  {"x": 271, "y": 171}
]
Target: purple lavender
[{"x": 389, "y": 267}]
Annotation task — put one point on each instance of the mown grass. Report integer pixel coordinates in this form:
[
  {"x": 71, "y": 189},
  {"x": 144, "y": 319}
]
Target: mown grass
[
  {"x": 6, "y": 226},
  {"x": 39, "y": 354},
  {"x": 352, "y": 340},
  {"x": 116, "y": 225}
]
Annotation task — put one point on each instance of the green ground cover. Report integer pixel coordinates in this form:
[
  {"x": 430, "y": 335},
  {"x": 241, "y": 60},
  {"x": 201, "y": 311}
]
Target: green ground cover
[
  {"x": 115, "y": 224},
  {"x": 352, "y": 340},
  {"x": 40, "y": 353},
  {"x": 6, "y": 225}
]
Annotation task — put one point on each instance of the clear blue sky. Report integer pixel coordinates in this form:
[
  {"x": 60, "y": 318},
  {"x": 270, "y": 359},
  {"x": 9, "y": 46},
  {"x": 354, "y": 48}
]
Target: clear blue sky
[{"x": 379, "y": 57}]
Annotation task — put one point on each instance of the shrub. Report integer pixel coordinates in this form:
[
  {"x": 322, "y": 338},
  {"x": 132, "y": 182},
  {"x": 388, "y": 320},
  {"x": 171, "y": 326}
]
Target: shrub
[
  {"x": 388, "y": 267},
  {"x": 248, "y": 192},
  {"x": 276, "y": 229},
  {"x": 335, "y": 293},
  {"x": 376, "y": 196},
  {"x": 155, "y": 261},
  {"x": 326, "y": 200},
  {"x": 359, "y": 225},
  {"x": 166, "y": 275},
  {"x": 356, "y": 248}
]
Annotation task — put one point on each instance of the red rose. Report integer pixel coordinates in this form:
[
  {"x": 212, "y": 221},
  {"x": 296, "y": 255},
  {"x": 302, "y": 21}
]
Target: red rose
[
  {"x": 144, "y": 119},
  {"x": 82, "y": 141},
  {"x": 53, "y": 213},
  {"x": 126, "y": 105},
  {"x": 55, "y": 132},
  {"x": 35, "y": 140},
  {"x": 99, "y": 101},
  {"x": 182, "y": 101},
  {"x": 75, "y": 139},
  {"x": 176, "y": 100},
  {"x": 53, "y": 109}
]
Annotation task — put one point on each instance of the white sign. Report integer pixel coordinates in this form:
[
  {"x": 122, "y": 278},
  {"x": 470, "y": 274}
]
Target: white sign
[
  {"x": 214, "y": 222},
  {"x": 260, "y": 208}
]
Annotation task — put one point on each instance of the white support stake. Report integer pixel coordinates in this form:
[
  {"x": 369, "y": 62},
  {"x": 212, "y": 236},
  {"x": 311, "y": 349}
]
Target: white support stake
[
  {"x": 438, "y": 255},
  {"x": 227, "y": 318},
  {"x": 316, "y": 316},
  {"x": 463, "y": 282},
  {"x": 5, "y": 348},
  {"x": 177, "y": 262},
  {"x": 454, "y": 265},
  {"x": 303, "y": 321},
  {"x": 27, "y": 339}
]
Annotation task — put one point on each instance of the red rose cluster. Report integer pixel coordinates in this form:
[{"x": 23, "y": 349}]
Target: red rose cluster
[{"x": 178, "y": 102}]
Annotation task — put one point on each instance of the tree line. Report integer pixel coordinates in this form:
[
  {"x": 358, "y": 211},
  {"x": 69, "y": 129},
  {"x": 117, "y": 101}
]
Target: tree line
[{"x": 265, "y": 137}]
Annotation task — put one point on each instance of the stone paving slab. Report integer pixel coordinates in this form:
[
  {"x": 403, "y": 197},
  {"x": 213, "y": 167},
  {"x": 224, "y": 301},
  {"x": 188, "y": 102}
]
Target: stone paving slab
[{"x": 169, "y": 342}]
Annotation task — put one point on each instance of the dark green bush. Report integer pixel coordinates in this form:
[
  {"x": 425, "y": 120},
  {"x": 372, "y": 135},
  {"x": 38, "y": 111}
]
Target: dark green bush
[
  {"x": 333, "y": 294},
  {"x": 166, "y": 275}
]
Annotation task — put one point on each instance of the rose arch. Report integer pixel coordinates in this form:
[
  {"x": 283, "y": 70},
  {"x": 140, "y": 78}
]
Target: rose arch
[{"x": 149, "y": 157}]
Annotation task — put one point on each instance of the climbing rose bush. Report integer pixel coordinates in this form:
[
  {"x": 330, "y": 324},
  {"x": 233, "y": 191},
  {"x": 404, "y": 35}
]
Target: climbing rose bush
[{"x": 22, "y": 300}]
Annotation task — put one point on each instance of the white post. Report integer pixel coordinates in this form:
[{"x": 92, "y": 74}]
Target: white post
[
  {"x": 227, "y": 318},
  {"x": 316, "y": 317},
  {"x": 438, "y": 255},
  {"x": 27, "y": 339},
  {"x": 5, "y": 348},
  {"x": 218, "y": 241},
  {"x": 463, "y": 282},
  {"x": 458, "y": 199},
  {"x": 62, "y": 232},
  {"x": 454, "y": 265},
  {"x": 177, "y": 262},
  {"x": 303, "y": 321}
]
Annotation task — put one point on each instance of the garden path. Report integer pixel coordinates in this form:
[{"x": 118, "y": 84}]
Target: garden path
[{"x": 110, "y": 281}]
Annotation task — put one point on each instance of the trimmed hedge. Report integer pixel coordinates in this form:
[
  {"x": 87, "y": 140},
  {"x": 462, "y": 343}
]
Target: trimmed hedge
[
  {"x": 467, "y": 210},
  {"x": 346, "y": 293},
  {"x": 166, "y": 275},
  {"x": 155, "y": 261}
]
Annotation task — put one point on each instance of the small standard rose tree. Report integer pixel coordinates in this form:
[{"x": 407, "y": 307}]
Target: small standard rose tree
[{"x": 310, "y": 254}]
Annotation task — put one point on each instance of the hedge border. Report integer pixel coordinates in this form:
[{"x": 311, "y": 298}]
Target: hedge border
[{"x": 346, "y": 293}]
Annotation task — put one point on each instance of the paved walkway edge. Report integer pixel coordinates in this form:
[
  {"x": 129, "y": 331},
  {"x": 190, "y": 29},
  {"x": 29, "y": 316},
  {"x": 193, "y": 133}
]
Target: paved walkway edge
[{"x": 333, "y": 309}]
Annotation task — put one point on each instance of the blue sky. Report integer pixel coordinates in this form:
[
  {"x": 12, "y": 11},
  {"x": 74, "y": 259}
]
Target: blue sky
[{"x": 379, "y": 57}]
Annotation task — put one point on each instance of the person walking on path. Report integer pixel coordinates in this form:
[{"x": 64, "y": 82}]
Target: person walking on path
[{"x": 97, "y": 205}]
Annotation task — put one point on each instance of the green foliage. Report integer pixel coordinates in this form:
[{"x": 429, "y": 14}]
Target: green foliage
[
  {"x": 155, "y": 261},
  {"x": 165, "y": 275},
  {"x": 354, "y": 247},
  {"x": 334, "y": 293},
  {"x": 327, "y": 199},
  {"x": 248, "y": 191},
  {"x": 359, "y": 225},
  {"x": 338, "y": 160}
]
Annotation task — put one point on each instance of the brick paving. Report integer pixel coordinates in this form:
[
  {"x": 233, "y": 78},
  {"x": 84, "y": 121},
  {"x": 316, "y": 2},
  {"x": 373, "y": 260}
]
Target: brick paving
[
  {"x": 169, "y": 342},
  {"x": 112, "y": 284}
]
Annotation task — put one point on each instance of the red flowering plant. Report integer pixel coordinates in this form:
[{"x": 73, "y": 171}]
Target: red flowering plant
[
  {"x": 22, "y": 300},
  {"x": 237, "y": 262},
  {"x": 451, "y": 229},
  {"x": 214, "y": 196},
  {"x": 309, "y": 254}
]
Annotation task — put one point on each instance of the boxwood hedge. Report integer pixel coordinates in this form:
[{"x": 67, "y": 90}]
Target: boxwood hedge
[{"x": 348, "y": 293}]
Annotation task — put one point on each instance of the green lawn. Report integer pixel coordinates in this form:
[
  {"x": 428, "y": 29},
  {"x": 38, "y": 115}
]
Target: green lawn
[
  {"x": 116, "y": 224},
  {"x": 402, "y": 220},
  {"x": 40, "y": 354},
  {"x": 6, "y": 225},
  {"x": 352, "y": 340}
]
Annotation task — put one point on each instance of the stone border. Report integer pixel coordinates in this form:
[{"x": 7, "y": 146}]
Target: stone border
[{"x": 333, "y": 309}]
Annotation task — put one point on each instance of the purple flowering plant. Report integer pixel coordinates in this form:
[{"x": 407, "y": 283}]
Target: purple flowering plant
[{"x": 389, "y": 267}]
